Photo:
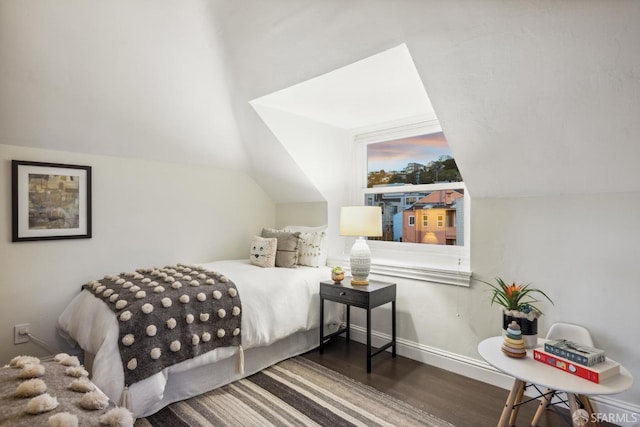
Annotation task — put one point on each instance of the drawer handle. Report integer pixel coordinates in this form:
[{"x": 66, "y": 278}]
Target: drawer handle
[{"x": 342, "y": 294}]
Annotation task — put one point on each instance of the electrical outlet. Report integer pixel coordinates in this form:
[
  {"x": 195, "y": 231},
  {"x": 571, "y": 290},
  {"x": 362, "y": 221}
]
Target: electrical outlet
[{"x": 20, "y": 333}]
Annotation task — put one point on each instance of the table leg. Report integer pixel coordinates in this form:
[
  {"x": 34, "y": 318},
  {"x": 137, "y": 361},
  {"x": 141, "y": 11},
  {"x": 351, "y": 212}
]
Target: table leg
[
  {"x": 508, "y": 406},
  {"x": 516, "y": 407},
  {"x": 573, "y": 407},
  {"x": 545, "y": 400},
  {"x": 589, "y": 408}
]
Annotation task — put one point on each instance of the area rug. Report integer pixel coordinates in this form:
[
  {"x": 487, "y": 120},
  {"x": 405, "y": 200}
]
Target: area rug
[{"x": 295, "y": 392}]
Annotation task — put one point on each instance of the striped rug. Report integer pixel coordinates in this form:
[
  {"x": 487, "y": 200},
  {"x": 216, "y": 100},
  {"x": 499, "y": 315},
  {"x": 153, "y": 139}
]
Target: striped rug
[{"x": 295, "y": 392}]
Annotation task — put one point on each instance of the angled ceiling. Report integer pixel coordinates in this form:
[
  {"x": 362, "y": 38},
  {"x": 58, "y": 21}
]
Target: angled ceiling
[
  {"x": 129, "y": 79},
  {"x": 382, "y": 88},
  {"x": 535, "y": 98}
]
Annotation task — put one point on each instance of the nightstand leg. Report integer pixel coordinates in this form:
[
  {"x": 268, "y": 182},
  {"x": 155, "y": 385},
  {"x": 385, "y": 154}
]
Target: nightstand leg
[
  {"x": 321, "y": 324},
  {"x": 368, "y": 340},
  {"x": 393, "y": 328},
  {"x": 348, "y": 322}
]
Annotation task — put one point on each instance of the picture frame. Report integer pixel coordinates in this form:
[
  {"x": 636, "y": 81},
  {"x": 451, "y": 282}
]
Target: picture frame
[{"x": 50, "y": 201}]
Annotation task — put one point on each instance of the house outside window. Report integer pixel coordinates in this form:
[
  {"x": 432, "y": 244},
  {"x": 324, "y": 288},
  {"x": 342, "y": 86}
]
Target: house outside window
[
  {"x": 403, "y": 164},
  {"x": 410, "y": 172}
]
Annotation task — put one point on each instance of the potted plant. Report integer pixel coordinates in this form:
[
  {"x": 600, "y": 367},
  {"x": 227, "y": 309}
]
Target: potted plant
[
  {"x": 337, "y": 274},
  {"x": 517, "y": 303}
]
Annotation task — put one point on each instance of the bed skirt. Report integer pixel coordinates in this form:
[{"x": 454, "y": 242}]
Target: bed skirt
[{"x": 186, "y": 384}]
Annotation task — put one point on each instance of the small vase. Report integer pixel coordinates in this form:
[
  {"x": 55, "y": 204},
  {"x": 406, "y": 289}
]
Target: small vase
[
  {"x": 337, "y": 277},
  {"x": 528, "y": 328}
]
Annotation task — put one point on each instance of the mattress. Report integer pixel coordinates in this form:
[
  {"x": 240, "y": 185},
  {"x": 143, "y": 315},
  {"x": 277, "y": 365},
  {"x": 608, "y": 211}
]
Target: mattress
[{"x": 280, "y": 319}]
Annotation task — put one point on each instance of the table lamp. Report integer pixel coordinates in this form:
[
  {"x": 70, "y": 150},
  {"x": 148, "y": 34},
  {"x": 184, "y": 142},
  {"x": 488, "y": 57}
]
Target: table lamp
[{"x": 360, "y": 221}]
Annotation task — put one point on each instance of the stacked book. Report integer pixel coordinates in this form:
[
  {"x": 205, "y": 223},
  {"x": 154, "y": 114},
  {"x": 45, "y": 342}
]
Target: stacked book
[
  {"x": 583, "y": 361},
  {"x": 584, "y": 355}
]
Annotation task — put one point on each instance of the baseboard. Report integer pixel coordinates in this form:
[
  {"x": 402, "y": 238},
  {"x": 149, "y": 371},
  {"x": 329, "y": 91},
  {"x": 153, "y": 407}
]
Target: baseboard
[{"x": 608, "y": 409}]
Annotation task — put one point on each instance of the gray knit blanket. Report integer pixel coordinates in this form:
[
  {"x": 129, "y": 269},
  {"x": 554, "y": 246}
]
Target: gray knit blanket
[{"x": 168, "y": 315}]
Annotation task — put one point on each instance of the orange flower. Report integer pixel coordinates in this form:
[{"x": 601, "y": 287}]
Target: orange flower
[
  {"x": 515, "y": 297},
  {"x": 511, "y": 289}
]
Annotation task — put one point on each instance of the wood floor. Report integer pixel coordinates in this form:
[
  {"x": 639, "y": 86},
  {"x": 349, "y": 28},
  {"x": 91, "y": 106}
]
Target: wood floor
[{"x": 462, "y": 401}]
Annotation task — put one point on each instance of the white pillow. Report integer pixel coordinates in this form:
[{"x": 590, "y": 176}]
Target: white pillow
[
  {"x": 263, "y": 251},
  {"x": 313, "y": 246}
]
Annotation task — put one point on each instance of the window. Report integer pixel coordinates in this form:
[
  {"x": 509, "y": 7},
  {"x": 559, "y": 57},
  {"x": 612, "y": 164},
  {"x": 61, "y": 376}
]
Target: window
[
  {"x": 411, "y": 162},
  {"x": 411, "y": 173}
]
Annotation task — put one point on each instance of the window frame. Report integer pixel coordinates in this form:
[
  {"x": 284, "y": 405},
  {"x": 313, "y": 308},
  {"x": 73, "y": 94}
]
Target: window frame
[{"x": 445, "y": 264}]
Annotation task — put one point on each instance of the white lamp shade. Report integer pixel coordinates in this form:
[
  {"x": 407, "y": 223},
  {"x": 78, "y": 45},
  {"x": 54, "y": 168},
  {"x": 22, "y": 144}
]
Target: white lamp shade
[{"x": 361, "y": 221}]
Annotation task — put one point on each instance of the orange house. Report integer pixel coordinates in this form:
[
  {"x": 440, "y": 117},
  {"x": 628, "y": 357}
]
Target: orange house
[{"x": 432, "y": 219}]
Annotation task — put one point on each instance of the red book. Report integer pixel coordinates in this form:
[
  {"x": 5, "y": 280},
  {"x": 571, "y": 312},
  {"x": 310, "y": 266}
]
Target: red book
[{"x": 596, "y": 373}]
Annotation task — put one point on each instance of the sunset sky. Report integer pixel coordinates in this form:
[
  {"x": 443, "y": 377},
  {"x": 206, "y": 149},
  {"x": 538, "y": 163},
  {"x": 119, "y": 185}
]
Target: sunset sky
[{"x": 396, "y": 154}]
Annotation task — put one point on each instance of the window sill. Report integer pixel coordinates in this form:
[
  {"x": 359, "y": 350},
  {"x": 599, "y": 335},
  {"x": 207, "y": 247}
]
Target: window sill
[{"x": 413, "y": 272}]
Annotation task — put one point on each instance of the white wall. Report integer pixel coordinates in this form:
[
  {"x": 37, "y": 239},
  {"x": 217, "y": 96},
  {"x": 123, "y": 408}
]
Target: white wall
[
  {"x": 582, "y": 250},
  {"x": 581, "y": 255},
  {"x": 324, "y": 153},
  {"x": 144, "y": 214},
  {"x": 309, "y": 214}
]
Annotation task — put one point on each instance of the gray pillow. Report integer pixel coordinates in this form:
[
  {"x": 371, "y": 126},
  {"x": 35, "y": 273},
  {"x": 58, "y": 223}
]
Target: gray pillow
[{"x": 287, "y": 253}]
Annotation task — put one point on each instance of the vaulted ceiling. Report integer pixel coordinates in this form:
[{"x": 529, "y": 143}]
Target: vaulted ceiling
[{"x": 535, "y": 98}]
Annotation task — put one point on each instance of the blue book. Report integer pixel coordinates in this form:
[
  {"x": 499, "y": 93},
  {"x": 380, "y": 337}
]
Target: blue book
[{"x": 581, "y": 354}]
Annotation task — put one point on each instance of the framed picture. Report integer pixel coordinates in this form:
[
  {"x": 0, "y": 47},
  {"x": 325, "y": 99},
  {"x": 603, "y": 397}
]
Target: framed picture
[{"x": 50, "y": 201}]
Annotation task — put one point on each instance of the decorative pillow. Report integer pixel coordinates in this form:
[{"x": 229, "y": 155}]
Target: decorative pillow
[
  {"x": 310, "y": 249},
  {"x": 263, "y": 251},
  {"x": 287, "y": 253},
  {"x": 313, "y": 247}
]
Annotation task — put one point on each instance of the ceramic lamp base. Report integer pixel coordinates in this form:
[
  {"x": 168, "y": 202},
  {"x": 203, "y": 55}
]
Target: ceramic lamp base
[{"x": 360, "y": 260}]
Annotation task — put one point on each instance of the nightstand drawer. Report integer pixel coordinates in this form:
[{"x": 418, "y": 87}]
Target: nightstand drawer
[{"x": 344, "y": 295}]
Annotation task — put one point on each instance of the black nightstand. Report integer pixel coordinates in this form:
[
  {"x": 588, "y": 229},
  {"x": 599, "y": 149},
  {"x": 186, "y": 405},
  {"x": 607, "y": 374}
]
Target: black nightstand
[{"x": 374, "y": 294}]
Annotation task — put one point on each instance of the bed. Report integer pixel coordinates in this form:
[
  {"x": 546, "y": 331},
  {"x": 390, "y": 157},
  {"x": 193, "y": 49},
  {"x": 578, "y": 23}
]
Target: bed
[{"x": 280, "y": 319}]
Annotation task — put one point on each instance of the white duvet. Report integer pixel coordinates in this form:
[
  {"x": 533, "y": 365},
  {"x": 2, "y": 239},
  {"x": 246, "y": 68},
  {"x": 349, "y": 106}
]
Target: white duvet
[{"x": 276, "y": 302}]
